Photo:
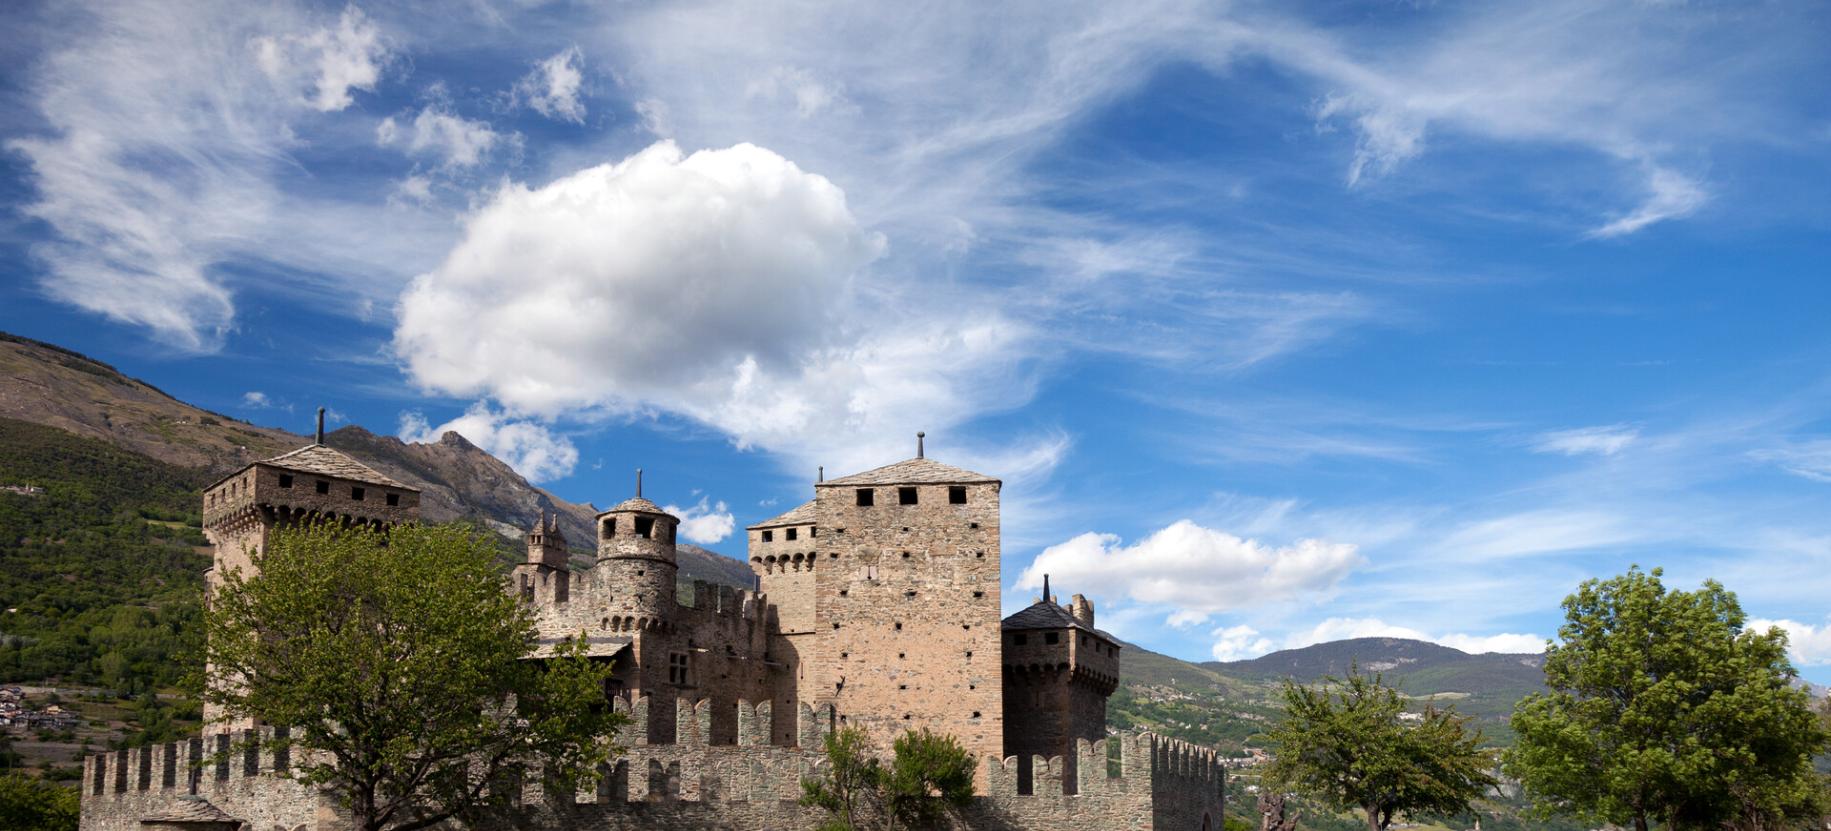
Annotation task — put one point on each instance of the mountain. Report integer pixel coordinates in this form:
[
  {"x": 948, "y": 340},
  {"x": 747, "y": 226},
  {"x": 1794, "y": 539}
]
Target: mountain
[
  {"x": 1418, "y": 667},
  {"x": 45, "y": 384}
]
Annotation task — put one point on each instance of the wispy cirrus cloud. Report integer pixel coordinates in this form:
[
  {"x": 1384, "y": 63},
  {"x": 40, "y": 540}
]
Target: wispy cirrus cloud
[{"x": 1599, "y": 441}]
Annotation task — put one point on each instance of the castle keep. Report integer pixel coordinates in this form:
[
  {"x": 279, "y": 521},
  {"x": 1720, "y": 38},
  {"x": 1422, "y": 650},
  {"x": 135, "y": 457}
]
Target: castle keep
[{"x": 877, "y": 606}]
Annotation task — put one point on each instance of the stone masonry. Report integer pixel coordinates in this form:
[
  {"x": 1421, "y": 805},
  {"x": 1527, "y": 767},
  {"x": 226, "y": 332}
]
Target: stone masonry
[{"x": 877, "y": 607}]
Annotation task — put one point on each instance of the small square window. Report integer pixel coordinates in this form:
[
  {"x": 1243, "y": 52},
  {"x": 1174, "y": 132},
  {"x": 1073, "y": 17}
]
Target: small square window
[
  {"x": 906, "y": 496},
  {"x": 978, "y": 594},
  {"x": 677, "y": 668},
  {"x": 769, "y": 536},
  {"x": 323, "y": 486},
  {"x": 1051, "y": 638},
  {"x": 394, "y": 499},
  {"x": 285, "y": 480},
  {"x": 356, "y": 494},
  {"x": 791, "y": 533},
  {"x": 645, "y": 526},
  {"x": 1020, "y": 639},
  {"x": 866, "y": 498},
  {"x": 956, "y": 494}
]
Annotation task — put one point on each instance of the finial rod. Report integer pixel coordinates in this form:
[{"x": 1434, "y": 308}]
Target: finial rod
[
  {"x": 1046, "y": 595},
  {"x": 320, "y": 426},
  {"x": 822, "y": 474},
  {"x": 638, "y": 481},
  {"x": 919, "y": 452}
]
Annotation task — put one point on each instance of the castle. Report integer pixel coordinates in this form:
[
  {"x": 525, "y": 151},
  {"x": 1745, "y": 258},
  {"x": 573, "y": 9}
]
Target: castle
[{"x": 877, "y": 606}]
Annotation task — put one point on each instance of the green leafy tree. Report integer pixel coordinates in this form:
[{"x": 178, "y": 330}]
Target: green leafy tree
[
  {"x": 398, "y": 666},
  {"x": 853, "y": 784},
  {"x": 931, "y": 774},
  {"x": 1343, "y": 742},
  {"x": 28, "y": 804},
  {"x": 1664, "y": 708}
]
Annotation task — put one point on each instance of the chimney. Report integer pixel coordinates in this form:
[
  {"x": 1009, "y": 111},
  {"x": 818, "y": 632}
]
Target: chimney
[
  {"x": 320, "y": 426},
  {"x": 1083, "y": 610}
]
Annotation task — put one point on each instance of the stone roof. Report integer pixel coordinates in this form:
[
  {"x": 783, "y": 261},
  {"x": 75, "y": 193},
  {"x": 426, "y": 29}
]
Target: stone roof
[
  {"x": 802, "y": 514},
  {"x": 1045, "y": 614},
  {"x": 635, "y": 503},
  {"x": 918, "y": 471},
  {"x": 189, "y": 809},
  {"x": 323, "y": 461},
  {"x": 598, "y": 646}
]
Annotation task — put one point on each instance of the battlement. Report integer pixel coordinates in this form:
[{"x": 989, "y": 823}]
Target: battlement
[{"x": 1133, "y": 781}]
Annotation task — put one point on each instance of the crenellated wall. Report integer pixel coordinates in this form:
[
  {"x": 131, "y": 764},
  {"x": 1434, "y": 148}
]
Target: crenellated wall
[{"x": 1139, "y": 782}]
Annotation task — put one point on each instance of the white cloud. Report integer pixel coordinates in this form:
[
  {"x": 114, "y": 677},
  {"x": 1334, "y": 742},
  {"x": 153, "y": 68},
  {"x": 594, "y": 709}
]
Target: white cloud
[
  {"x": 1342, "y": 628},
  {"x": 331, "y": 61},
  {"x": 1809, "y": 459},
  {"x": 727, "y": 286},
  {"x": 256, "y": 399},
  {"x": 1808, "y": 645},
  {"x": 1670, "y": 195},
  {"x": 164, "y": 155},
  {"x": 1237, "y": 643},
  {"x": 704, "y": 523},
  {"x": 808, "y": 93},
  {"x": 1601, "y": 441},
  {"x": 553, "y": 88},
  {"x": 1542, "y": 531},
  {"x": 456, "y": 141},
  {"x": 532, "y": 449},
  {"x": 1193, "y": 571}
]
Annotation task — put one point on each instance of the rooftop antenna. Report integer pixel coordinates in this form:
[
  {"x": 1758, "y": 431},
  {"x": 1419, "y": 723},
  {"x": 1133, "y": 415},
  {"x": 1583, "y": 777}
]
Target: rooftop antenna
[
  {"x": 638, "y": 481},
  {"x": 320, "y": 426},
  {"x": 919, "y": 453}
]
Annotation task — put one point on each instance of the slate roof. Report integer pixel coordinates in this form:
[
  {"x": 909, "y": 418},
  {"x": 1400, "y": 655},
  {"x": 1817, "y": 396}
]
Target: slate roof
[
  {"x": 634, "y": 503},
  {"x": 190, "y": 808},
  {"x": 1045, "y": 614},
  {"x": 917, "y": 471},
  {"x": 323, "y": 461},
  {"x": 802, "y": 514},
  {"x": 600, "y": 646}
]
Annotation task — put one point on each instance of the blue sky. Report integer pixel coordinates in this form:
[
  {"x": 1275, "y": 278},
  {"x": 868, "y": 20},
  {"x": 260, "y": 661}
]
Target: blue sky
[{"x": 1281, "y": 322}]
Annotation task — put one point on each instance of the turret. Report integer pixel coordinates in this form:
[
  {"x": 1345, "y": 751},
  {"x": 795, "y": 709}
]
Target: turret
[
  {"x": 636, "y": 567},
  {"x": 546, "y": 545}
]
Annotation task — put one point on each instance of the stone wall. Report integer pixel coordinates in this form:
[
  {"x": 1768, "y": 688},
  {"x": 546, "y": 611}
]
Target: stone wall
[
  {"x": 1149, "y": 784},
  {"x": 907, "y": 612}
]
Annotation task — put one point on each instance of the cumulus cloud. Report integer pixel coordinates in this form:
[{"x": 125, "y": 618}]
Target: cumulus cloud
[
  {"x": 704, "y": 522},
  {"x": 1343, "y": 628},
  {"x": 1193, "y": 571},
  {"x": 456, "y": 141},
  {"x": 532, "y": 449},
  {"x": 329, "y": 61},
  {"x": 1809, "y": 646},
  {"x": 255, "y": 399},
  {"x": 553, "y": 88},
  {"x": 1600, "y": 441},
  {"x": 722, "y": 286},
  {"x": 1238, "y": 643}
]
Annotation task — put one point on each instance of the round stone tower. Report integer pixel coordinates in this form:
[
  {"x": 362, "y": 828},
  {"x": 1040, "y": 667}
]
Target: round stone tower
[{"x": 635, "y": 567}]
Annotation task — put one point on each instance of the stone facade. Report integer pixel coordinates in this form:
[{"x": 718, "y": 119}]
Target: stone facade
[{"x": 877, "y": 607}]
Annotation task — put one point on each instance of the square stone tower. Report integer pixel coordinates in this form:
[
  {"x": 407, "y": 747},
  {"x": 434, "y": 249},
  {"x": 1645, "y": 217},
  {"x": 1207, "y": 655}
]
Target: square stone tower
[{"x": 906, "y": 614}]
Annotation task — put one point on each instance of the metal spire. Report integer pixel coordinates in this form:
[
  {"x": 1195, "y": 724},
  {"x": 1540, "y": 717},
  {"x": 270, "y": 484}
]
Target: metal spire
[
  {"x": 919, "y": 453},
  {"x": 320, "y": 426}
]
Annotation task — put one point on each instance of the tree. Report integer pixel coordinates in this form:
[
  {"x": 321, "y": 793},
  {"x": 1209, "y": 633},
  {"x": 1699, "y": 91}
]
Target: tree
[
  {"x": 853, "y": 782},
  {"x": 28, "y": 804},
  {"x": 398, "y": 664},
  {"x": 1663, "y": 707},
  {"x": 1343, "y": 742},
  {"x": 931, "y": 774}
]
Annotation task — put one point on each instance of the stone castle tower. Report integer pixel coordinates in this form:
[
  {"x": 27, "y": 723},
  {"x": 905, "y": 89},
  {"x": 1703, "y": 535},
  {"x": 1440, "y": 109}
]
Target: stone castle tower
[{"x": 312, "y": 484}]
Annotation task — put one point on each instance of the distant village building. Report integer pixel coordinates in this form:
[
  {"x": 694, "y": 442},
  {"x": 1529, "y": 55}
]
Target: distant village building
[{"x": 877, "y": 607}]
